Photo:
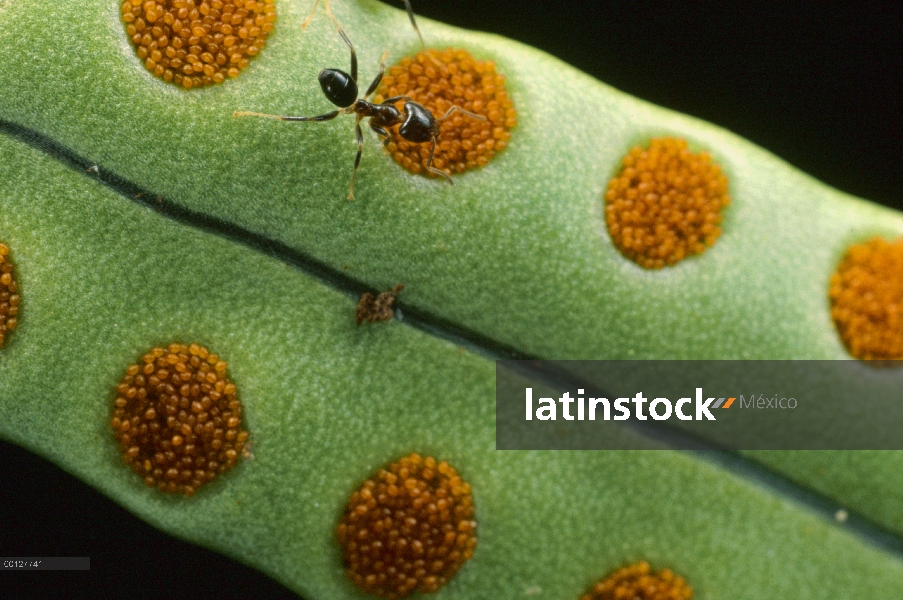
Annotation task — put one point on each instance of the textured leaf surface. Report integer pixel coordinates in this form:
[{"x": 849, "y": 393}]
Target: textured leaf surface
[
  {"x": 526, "y": 233},
  {"x": 327, "y": 403},
  {"x": 517, "y": 252}
]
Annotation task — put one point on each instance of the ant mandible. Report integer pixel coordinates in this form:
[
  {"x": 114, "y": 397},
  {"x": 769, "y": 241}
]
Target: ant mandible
[
  {"x": 407, "y": 5},
  {"x": 418, "y": 125}
]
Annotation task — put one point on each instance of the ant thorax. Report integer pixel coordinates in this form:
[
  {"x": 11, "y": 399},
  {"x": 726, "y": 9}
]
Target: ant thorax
[
  {"x": 381, "y": 115},
  {"x": 420, "y": 125}
]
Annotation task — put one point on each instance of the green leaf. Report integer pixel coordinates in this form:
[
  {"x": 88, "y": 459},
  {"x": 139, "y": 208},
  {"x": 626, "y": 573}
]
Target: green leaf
[{"x": 516, "y": 253}]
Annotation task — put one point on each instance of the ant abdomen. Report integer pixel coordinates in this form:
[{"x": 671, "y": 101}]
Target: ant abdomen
[{"x": 338, "y": 87}]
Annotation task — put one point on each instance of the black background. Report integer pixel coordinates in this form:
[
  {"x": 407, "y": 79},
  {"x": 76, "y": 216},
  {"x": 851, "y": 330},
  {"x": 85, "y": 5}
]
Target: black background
[{"x": 817, "y": 84}]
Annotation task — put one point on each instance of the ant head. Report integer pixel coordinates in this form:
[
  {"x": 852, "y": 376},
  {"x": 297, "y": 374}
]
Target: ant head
[
  {"x": 340, "y": 88},
  {"x": 419, "y": 125}
]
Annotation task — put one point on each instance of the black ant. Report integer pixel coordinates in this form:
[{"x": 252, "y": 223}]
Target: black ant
[
  {"x": 418, "y": 125},
  {"x": 407, "y": 5}
]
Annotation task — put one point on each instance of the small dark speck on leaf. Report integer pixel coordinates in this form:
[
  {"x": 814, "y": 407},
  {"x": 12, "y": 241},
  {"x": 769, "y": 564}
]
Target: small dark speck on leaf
[{"x": 377, "y": 308}]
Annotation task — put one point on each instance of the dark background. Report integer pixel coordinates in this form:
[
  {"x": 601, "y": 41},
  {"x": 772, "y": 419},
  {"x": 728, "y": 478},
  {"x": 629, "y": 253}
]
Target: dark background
[{"x": 817, "y": 85}]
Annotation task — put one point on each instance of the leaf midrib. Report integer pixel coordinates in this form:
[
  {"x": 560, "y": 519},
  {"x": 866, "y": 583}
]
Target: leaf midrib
[{"x": 869, "y": 531}]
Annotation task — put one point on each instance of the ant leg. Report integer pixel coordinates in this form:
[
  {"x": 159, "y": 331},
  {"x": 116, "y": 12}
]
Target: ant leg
[
  {"x": 328, "y": 116},
  {"x": 380, "y": 132},
  {"x": 395, "y": 99},
  {"x": 357, "y": 159},
  {"x": 459, "y": 109},
  {"x": 330, "y": 15},
  {"x": 313, "y": 12},
  {"x": 311, "y": 15},
  {"x": 407, "y": 5},
  {"x": 434, "y": 170},
  {"x": 347, "y": 41},
  {"x": 379, "y": 77}
]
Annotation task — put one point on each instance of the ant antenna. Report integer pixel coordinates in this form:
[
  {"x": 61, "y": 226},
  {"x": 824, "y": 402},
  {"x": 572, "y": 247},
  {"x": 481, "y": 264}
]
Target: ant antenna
[
  {"x": 460, "y": 110},
  {"x": 407, "y": 5}
]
